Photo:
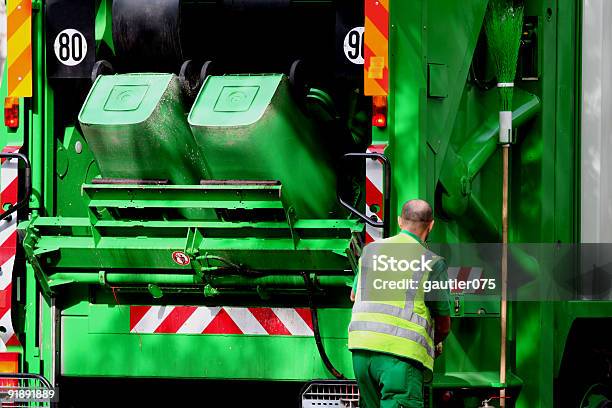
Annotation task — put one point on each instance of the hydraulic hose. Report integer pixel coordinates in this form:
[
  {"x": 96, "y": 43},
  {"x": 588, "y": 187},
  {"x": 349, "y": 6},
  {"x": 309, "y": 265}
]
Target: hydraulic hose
[{"x": 315, "y": 328}]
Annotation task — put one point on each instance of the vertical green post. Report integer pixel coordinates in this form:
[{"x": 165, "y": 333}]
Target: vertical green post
[
  {"x": 37, "y": 112},
  {"x": 32, "y": 353},
  {"x": 407, "y": 102}
]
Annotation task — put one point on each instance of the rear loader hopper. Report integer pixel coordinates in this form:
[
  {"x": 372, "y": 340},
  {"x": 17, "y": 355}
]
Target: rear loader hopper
[{"x": 239, "y": 185}]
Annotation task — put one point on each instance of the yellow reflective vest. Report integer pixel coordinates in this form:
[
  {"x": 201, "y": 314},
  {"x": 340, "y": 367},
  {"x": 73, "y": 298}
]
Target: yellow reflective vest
[{"x": 402, "y": 328}]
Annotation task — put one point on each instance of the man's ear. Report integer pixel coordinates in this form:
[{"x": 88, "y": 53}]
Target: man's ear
[
  {"x": 431, "y": 224},
  {"x": 399, "y": 222}
]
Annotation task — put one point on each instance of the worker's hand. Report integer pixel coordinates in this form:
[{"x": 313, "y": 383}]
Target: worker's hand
[
  {"x": 352, "y": 295},
  {"x": 439, "y": 349},
  {"x": 442, "y": 328}
]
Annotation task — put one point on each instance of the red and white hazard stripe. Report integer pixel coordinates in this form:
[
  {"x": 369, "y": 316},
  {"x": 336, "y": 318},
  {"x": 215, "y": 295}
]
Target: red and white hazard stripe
[
  {"x": 8, "y": 247},
  {"x": 465, "y": 274},
  {"x": 221, "y": 320},
  {"x": 374, "y": 192}
]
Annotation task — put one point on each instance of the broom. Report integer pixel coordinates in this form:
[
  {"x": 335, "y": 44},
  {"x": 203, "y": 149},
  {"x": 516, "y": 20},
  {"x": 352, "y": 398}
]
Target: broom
[{"x": 504, "y": 26}]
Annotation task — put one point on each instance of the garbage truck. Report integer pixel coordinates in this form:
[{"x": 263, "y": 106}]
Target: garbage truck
[{"x": 187, "y": 187}]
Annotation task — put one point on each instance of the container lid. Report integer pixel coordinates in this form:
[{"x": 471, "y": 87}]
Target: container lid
[
  {"x": 123, "y": 99},
  {"x": 233, "y": 100}
]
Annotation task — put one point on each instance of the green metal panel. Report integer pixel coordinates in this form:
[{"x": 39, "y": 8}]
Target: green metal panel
[
  {"x": 40, "y": 122},
  {"x": 75, "y": 166},
  {"x": 408, "y": 82},
  {"x": 437, "y": 77},
  {"x": 99, "y": 344},
  {"x": 103, "y": 243},
  {"x": 448, "y": 152},
  {"x": 104, "y": 34}
]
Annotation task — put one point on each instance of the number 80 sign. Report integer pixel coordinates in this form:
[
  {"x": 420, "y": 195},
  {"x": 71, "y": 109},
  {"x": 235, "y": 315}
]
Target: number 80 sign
[{"x": 70, "y": 47}]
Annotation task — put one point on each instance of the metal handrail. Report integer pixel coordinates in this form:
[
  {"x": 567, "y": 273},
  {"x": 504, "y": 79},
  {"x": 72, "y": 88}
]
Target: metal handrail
[
  {"x": 27, "y": 181},
  {"x": 385, "y": 223}
]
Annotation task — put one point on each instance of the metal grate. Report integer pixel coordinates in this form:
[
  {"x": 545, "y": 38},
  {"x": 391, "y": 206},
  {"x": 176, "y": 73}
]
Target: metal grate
[
  {"x": 26, "y": 390},
  {"x": 342, "y": 394}
]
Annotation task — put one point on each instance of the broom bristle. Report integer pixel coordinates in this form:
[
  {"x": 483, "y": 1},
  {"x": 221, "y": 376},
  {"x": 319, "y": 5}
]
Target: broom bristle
[{"x": 503, "y": 27}]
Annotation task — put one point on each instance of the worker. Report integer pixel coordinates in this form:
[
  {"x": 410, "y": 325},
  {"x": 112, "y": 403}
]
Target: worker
[{"x": 393, "y": 342}]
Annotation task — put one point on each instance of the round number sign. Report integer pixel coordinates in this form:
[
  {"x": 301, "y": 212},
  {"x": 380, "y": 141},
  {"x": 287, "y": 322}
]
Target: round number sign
[
  {"x": 353, "y": 45},
  {"x": 70, "y": 47}
]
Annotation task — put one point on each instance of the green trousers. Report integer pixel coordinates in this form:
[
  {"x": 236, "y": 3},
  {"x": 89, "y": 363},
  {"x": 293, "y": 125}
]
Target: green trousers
[{"x": 386, "y": 381}]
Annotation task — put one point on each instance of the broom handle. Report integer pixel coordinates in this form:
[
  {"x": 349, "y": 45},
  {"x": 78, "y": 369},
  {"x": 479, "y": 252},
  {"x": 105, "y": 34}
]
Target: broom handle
[{"x": 504, "y": 275}]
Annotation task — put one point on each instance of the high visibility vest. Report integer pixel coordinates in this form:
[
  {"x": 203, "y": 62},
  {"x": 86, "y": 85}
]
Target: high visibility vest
[{"x": 402, "y": 328}]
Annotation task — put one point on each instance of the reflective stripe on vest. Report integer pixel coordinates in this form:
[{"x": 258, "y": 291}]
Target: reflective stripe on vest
[
  {"x": 405, "y": 313},
  {"x": 392, "y": 331}
]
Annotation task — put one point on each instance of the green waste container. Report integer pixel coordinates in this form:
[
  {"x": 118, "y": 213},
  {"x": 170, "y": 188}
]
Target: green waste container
[
  {"x": 136, "y": 127},
  {"x": 249, "y": 127}
]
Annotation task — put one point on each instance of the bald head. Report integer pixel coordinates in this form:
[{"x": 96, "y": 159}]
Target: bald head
[{"x": 417, "y": 217}]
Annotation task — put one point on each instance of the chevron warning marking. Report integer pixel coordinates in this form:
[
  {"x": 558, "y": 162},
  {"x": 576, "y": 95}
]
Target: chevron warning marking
[{"x": 263, "y": 321}]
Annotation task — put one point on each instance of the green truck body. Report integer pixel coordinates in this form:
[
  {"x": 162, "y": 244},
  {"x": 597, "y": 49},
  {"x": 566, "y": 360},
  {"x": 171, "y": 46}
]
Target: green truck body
[{"x": 150, "y": 203}]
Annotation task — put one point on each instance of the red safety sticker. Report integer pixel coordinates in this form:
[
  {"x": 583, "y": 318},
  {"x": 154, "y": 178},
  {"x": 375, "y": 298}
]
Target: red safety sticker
[{"x": 181, "y": 258}]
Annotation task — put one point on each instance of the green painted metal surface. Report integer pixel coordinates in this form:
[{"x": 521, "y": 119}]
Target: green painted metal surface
[
  {"x": 110, "y": 242},
  {"x": 196, "y": 356}
]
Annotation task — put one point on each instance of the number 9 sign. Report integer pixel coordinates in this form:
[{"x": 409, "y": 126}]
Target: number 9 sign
[
  {"x": 353, "y": 46},
  {"x": 70, "y": 47}
]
